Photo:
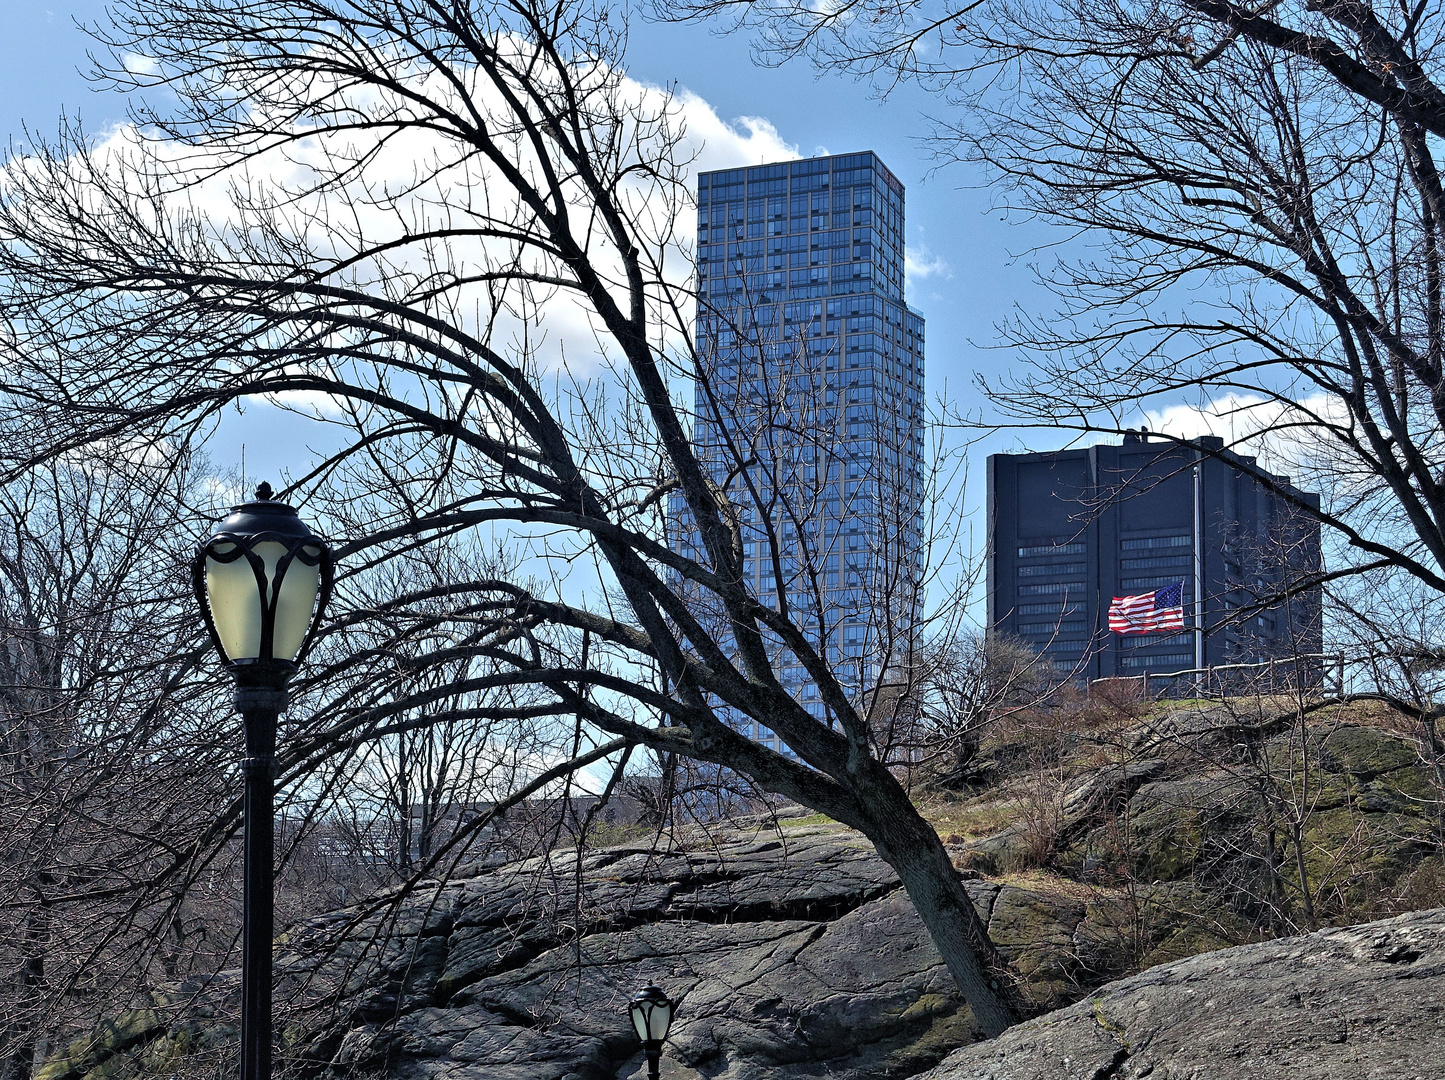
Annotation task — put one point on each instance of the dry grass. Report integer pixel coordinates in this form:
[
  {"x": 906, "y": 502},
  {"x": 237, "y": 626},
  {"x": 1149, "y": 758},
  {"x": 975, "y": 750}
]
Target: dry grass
[
  {"x": 958, "y": 822},
  {"x": 1041, "y": 880},
  {"x": 787, "y": 824}
]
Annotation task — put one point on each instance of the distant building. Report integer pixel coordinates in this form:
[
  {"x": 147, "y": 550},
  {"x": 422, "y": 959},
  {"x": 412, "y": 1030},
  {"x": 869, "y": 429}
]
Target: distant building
[
  {"x": 1071, "y": 530},
  {"x": 809, "y": 399}
]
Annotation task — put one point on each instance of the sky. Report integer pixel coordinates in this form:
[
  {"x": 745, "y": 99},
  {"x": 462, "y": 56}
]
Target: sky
[{"x": 970, "y": 266}]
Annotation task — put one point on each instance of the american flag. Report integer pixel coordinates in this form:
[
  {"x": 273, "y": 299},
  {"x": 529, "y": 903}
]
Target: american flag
[{"x": 1151, "y": 613}]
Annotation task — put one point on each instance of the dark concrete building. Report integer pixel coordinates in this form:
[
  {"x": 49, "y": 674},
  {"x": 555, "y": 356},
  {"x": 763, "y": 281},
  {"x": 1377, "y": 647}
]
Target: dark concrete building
[{"x": 1071, "y": 530}]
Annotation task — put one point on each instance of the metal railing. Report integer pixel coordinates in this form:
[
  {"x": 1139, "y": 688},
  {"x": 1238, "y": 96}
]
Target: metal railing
[{"x": 1268, "y": 676}]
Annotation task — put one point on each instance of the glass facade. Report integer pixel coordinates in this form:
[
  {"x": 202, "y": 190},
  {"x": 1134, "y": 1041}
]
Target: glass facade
[{"x": 808, "y": 403}]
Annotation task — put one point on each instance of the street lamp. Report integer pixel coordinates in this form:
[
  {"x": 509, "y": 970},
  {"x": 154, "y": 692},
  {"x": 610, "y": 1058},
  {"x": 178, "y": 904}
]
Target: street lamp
[
  {"x": 262, "y": 580},
  {"x": 651, "y": 1012}
]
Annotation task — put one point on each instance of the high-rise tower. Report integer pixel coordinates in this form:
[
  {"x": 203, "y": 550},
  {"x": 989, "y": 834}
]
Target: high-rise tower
[{"x": 808, "y": 408}]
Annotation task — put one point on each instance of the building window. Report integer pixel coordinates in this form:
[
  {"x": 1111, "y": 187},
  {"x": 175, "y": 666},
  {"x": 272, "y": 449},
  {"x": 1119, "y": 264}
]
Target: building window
[
  {"x": 1051, "y": 588},
  {"x": 1152, "y": 583},
  {"x": 1052, "y": 570},
  {"x": 1049, "y": 609},
  {"x": 1065, "y": 648},
  {"x": 1152, "y": 641},
  {"x": 1156, "y": 561},
  {"x": 1173, "y": 661},
  {"x": 1149, "y": 542},
  {"x": 1038, "y": 551},
  {"x": 1074, "y": 626}
]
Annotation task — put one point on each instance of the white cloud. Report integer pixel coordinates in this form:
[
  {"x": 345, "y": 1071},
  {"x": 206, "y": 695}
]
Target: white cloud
[
  {"x": 132, "y": 455},
  {"x": 272, "y": 194},
  {"x": 919, "y": 264},
  {"x": 720, "y": 144},
  {"x": 1285, "y": 434},
  {"x": 138, "y": 64},
  {"x": 266, "y": 206},
  {"x": 315, "y": 403}
]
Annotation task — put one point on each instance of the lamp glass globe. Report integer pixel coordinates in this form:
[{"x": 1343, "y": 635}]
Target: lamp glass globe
[
  {"x": 236, "y": 600},
  {"x": 296, "y": 600},
  {"x": 235, "y": 603}
]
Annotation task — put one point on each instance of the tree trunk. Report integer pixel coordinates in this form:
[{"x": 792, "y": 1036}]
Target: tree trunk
[
  {"x": 1271, "y": 869},
  {"x": 1432, "y": 737},
  {"x": 18, "y": 1039},
  {"x": 911, "y": 846},
  {"x": 1297, "y": 838}
]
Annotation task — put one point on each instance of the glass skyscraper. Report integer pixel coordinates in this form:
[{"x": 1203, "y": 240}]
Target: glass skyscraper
[{"x": 808, "y": 406}]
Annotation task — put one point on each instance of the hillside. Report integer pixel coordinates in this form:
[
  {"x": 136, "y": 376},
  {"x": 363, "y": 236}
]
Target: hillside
[
  {"x": 1212, "y": 823},
  {"x": 1094, "y": 845}
]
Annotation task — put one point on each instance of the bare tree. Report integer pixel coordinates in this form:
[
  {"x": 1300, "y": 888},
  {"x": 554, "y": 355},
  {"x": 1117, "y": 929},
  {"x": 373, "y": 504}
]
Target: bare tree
[
  {"x": 968, "y": 682},
  {"x": 107, "y": 768},
  {"x": 1261, "y": 196},
  {"x": 119, "y": 808},
  {"x": 391, "y": 212}
]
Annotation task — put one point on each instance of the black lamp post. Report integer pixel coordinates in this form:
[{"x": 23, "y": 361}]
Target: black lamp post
[
  {"x": 651, "y": 1012},
  {"x": 262, "y": 579}
]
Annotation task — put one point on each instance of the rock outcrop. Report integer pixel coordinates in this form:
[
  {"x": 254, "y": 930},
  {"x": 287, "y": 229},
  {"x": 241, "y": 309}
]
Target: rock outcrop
[
  {"x": 796, "y": 953},
  {"x": 788, "y": 951},
  {"x": 1360, "y": 1003},
  {"x": 1197, "y": 798}
]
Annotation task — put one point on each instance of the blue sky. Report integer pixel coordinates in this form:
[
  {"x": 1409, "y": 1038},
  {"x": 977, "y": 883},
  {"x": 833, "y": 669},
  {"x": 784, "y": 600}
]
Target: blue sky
[{"x": 979, "y": 262}]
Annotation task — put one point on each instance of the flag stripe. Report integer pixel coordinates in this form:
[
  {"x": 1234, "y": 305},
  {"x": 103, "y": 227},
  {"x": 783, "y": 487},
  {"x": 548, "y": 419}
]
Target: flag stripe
[{"x": 1149, "y": 613}]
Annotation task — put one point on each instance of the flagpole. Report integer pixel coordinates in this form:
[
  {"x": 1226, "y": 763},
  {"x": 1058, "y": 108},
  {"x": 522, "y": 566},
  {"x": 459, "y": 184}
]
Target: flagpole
[{"x": 1198, "y": 565}]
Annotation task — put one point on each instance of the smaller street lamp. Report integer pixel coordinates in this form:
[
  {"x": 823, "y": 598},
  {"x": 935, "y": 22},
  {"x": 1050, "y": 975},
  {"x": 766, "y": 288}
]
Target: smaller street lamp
[
  {"x": 262, "y": 580},
  {"x": 651, "y": 1012}
]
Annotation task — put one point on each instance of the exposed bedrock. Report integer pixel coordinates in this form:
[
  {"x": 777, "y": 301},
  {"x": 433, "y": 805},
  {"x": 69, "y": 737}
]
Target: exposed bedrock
[
  {"x": 1358, "y": 1003},
  {"x": 796, "y": 955}
]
